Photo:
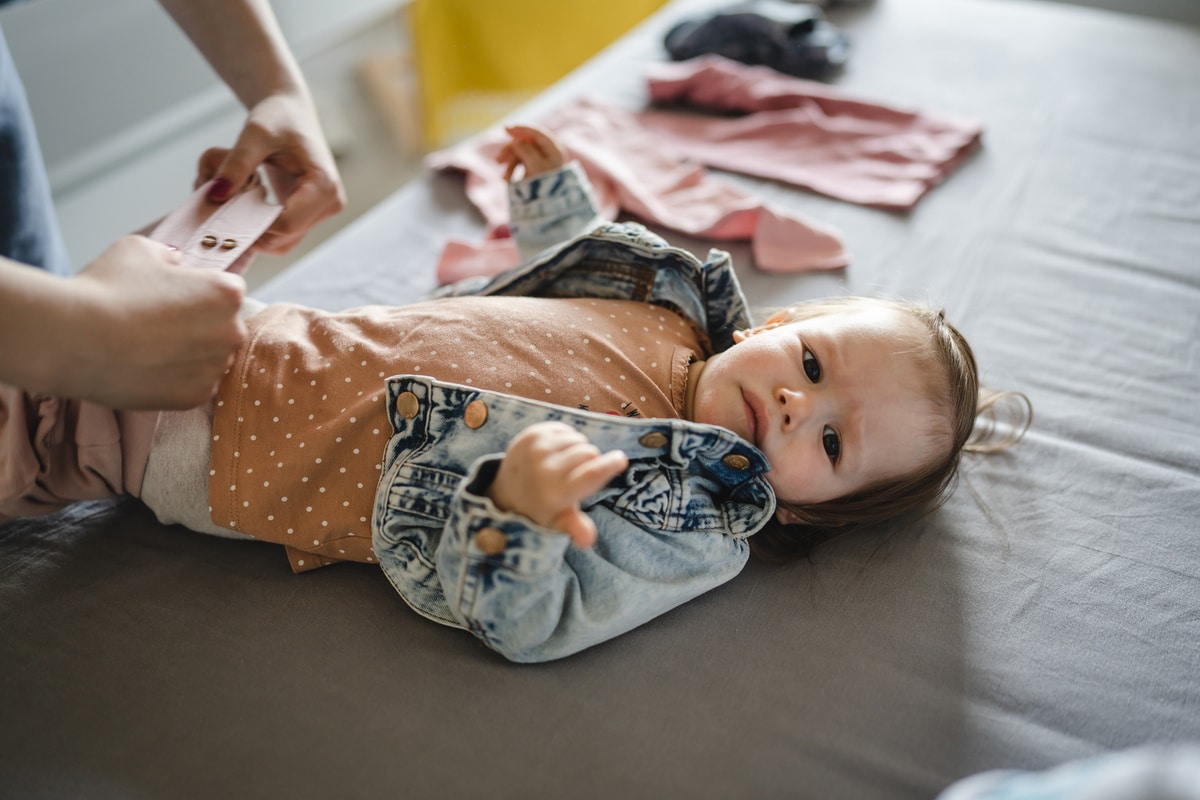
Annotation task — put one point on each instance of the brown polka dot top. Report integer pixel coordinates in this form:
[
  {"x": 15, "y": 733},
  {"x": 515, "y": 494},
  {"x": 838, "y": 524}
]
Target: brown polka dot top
[{"x": 299, "y": 423}]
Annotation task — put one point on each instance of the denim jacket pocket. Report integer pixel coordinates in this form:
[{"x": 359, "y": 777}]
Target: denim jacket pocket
[{"x": 410, "y": 515}]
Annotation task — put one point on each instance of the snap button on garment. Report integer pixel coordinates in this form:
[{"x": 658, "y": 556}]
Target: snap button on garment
[
  {"x": 476, "y": 415},
  {"x": 653, "y": 439},
  {"x": 736, "y": 461},
  {"x": 228, "y": 244},
  {"x": 208, "y": 242},
  {"x": 491, "y": 541},
  {"x": 408, "y": 405}
]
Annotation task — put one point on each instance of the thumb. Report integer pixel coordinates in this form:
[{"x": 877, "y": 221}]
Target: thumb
[
  {"x": 577, "y": 525},
  {"x": 239, "y": 165}
]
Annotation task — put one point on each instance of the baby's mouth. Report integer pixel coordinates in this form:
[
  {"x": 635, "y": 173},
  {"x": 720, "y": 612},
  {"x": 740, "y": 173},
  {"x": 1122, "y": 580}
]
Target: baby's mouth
[{"x": 751, "y": 419}]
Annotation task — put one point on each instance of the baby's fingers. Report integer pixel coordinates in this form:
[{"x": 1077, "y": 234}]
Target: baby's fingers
[
  {"x": 543, "y": 142},
  {"x": 508, "y": 158},
  {"x": 578, "y": 526},
  {"x": 535, "y": 149},
  {"x": 592, "y": 475},
  {"x": 582, "y": 482}
]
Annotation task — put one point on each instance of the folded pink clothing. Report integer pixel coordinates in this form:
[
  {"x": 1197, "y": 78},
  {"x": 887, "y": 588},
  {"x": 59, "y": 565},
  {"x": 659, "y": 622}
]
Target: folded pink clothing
[
  {"x": 630, "y": 170},
  {"x": 648, "y": 163},
  {"x": 802, "y": 132},
  {"x": 461, "y": 259}
]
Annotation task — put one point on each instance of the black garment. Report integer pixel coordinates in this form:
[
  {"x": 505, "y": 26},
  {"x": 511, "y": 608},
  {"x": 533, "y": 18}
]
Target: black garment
[{"x": 793, "y": 38}]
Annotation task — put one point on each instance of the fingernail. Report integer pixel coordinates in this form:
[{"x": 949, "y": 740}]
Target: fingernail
[
  {"x": 219, "y": 191},
  {"x": 171, "y": 246}
]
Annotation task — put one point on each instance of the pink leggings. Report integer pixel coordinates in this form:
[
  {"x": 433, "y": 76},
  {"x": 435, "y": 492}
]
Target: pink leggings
[{"x": 54, "y": 452}]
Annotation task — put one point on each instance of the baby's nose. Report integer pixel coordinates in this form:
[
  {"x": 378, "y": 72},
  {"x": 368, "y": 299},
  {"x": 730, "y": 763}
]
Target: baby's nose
[{"x": 796, "y": 406}]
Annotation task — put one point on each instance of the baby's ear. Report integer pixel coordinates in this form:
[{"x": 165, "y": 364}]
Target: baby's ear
[
  {"x": 786, "y": 516},
  {"x": 741, "y": 336}
]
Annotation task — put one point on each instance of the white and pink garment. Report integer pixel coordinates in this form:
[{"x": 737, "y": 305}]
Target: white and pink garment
[{"x": 650, "y": 163}]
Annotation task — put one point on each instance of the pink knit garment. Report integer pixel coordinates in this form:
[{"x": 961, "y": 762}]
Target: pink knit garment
[
  {"x": 631, "y": 171},
  {"x": 803, "y": 132},
  {"x": 650, "y": 163}
]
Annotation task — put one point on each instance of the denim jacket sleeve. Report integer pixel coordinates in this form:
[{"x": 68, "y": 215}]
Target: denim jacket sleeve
[
  {"x": 551, "y": 208},
  {"x": 531, "y": 595}
]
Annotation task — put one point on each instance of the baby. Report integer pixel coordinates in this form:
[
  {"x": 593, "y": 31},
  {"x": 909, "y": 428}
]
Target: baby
[{"x": 556, "y": 456}]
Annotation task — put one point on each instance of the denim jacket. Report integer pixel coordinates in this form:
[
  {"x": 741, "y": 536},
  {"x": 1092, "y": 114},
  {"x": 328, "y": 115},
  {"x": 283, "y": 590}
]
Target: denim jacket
[{"x": 671, "y": 527}]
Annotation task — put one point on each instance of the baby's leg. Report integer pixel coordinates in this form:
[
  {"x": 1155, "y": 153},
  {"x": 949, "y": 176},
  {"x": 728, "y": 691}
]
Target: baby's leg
[{"x": 175, "y": 486}]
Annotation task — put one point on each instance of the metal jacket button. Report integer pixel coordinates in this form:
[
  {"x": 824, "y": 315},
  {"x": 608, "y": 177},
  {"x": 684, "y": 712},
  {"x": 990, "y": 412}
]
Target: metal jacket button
[
  {"x": 208, "y": 242},
  {"x": 408, "y": 405},
  {"x": 653, "y": 439},
  {"x": 476, "y": 414},
  {"x": 736, "y": 461},
  {"x": 491, "y": 541}
]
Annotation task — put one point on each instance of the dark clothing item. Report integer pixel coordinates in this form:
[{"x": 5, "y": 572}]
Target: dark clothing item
[
  {"x": 792, "y": 38},
  {"x": 28, "y": 227}
]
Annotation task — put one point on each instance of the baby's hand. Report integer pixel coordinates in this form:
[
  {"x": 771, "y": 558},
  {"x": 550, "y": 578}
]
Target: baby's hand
[
  {"x": 531, "y": 148},
  {"x": 547, "y": 471}
]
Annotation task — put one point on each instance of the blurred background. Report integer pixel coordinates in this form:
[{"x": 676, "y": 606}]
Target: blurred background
[
  {"x": 391, "y": 79},
  {"x": 124, "y": 105}
]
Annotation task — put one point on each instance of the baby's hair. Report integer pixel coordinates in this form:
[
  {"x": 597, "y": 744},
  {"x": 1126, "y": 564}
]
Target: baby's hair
[{"x": 982, "y": 420}]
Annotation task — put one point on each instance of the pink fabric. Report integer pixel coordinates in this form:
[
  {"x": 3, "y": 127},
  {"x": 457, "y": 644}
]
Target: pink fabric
[
  {"x": 55, "y": 451},
  {"x": 649, "y": 163},
  {"x": 212, "y": 236},
  {"x": 461, "y": 259},
  {"x": 804, "y": 133},
  {"x": 630, "y": 170}
]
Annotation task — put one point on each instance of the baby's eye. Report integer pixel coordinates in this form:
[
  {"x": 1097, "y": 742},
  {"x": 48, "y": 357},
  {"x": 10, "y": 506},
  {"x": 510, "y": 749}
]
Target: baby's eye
[
  {"x": 832, "y": 443},
  {"x": 812, "y": 367}
]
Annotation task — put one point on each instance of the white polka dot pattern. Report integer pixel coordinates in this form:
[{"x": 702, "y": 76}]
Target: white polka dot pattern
[{"x": 300, "y": 425}]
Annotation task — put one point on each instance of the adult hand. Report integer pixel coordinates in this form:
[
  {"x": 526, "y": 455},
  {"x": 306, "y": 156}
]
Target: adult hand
[
  {"x": 152, "y": 333},
  {"x": 282, "y": 130},
  {"x": 548, "y": 470},
  {"x": 134, "y": 329}
]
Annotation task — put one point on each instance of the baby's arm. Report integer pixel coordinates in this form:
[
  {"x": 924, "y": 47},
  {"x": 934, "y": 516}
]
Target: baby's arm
[
  {"x": 547, "y": 471},
  {"x": 553, "y": 200},
  {"x": 535, "y": 596}
]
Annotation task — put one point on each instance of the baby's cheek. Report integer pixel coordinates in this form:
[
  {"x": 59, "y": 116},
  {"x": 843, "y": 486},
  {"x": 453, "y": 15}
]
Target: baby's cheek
[{"x": 791, "y": 482}]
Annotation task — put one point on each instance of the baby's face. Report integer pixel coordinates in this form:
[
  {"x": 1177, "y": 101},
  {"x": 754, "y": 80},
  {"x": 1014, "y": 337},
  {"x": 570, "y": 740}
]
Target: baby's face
[{"x": 836, "y": 402}]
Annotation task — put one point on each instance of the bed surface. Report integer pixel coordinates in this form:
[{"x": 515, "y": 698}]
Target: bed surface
[{"x": 1050, "y": 610}]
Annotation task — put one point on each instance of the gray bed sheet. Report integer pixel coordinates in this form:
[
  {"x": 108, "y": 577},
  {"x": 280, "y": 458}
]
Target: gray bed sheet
[{"x": 1051, "y": 610}]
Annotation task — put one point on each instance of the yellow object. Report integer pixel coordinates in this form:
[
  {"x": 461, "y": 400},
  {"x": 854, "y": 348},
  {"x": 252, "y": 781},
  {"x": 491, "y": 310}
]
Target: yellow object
[{"x": 477, "y": 60}]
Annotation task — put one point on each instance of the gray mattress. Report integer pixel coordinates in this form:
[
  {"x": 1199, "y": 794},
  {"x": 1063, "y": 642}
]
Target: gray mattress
[{"x": 1050, "y": 610}]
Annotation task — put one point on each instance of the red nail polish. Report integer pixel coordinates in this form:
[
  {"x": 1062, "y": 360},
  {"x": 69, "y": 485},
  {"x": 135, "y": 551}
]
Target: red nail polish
[{"x": 219, "y": 191}]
